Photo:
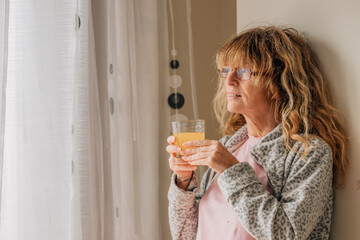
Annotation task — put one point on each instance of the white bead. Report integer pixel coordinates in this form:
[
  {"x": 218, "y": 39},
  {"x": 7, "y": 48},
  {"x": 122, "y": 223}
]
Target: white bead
[
  {"x": 175, "y": 81},
  {"x": 173, "y": 52}
]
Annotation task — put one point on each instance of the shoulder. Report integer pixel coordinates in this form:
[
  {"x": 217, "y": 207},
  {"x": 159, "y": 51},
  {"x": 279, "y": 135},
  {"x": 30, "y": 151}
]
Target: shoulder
[
  {"x": 285, "y": 166},
  {"x": 318, "y": 156},
  {"x": 317, "y": 148}
]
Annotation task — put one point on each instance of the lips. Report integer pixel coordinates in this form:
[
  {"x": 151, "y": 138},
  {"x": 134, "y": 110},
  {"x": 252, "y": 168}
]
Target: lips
[{"x": 233, "y": 95}]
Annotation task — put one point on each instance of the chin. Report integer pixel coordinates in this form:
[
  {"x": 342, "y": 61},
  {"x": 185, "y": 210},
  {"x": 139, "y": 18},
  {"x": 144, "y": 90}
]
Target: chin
[{"x": 233, "y": 109}]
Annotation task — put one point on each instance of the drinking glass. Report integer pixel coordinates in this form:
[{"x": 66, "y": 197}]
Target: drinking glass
[{"x": 188, "y": 130}]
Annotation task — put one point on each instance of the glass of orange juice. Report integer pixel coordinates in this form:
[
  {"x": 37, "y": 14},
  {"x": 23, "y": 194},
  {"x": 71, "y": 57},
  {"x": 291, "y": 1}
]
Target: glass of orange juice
[{"x": 188, "y": 130}]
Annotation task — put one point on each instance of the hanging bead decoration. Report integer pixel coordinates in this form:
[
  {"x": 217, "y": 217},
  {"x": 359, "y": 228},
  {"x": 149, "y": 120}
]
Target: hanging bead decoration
[
  {"x": 176, "y": 100},
  {"x": 174, "y": 64},
  {"x": 175, "y": 81}
]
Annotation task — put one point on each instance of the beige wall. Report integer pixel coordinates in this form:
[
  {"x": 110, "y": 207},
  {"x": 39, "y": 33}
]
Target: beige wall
[
  {"x": 213, "y": 22},
  {"x": 334, "y": 30}
]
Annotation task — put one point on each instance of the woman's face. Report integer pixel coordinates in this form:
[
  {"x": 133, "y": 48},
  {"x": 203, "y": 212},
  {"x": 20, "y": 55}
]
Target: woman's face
[{"x": 243, "y": 97}]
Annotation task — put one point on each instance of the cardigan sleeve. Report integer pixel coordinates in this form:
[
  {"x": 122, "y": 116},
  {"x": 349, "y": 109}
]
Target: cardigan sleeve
[
  {"x": 305, "y": 195},
  {"x": 183, "y": 210}
]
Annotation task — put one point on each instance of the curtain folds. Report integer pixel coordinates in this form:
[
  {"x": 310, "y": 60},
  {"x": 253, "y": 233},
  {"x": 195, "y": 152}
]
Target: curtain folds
[
  {"x": 79, "y": 161},
  {"x": 52, "y": 174},
  {"x": 133, "y": 86},
  {"x": 87, "y": 195},
  {"x": 4, "y": 24},
  {"x": 38, "y": 118}
]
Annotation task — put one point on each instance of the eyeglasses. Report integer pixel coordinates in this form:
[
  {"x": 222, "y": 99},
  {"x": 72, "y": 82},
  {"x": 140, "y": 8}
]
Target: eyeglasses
[{"x": 242, "y": 73}]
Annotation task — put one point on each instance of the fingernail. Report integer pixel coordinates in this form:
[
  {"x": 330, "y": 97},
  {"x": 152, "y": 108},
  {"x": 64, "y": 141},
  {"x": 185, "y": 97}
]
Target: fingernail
[{"x": 172, "y": 139}]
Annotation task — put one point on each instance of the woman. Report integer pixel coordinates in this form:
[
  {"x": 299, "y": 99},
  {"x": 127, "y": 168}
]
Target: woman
[{"x": 271, "y": 175}]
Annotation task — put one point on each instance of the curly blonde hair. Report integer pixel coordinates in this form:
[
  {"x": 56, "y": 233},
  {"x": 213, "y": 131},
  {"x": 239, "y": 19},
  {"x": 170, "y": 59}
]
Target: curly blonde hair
[{"x": 288, "y": 70}]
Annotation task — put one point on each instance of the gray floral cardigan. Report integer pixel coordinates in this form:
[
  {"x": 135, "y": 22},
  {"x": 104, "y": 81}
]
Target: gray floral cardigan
[{"x": 302, "y": 200}]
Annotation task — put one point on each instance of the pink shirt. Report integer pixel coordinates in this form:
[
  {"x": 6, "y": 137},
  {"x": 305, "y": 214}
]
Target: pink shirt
[{"x": 217, "y": 220}]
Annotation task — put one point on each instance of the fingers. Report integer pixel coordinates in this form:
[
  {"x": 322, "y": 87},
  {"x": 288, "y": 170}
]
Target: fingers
[
  {"x": 195, "y": 157},
  {"x": 199, "y": 143},
  {"x": 177, "y": 165},
  {"x": 173, "y": 149},
  {"x": 199, "y": 162},
  {"x": 171, "y": 140},
  {"x": 192, "y": 151},
  {"x": 177, "y": 161}
]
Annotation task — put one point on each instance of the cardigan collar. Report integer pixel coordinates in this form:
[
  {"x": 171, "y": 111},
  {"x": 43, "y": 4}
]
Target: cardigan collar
[
  {"x": 242, "y": 134},
  {"x": 262, "y": 148}
]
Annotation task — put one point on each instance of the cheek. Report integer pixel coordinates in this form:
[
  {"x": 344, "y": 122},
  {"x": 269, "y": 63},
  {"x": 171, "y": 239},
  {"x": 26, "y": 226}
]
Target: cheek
[
  {"x": 255, "y": 96},
  {"x": 251, "y": 94}
]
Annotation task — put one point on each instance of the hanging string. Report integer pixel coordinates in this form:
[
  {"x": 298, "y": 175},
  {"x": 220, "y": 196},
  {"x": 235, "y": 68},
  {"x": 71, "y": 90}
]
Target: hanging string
[
  {"x": 191, "y": 60},
  {"x": 173, "y": 51},
  {"x": 191, "y": 55}
]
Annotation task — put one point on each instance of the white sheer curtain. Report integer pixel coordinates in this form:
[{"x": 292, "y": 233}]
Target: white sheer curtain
[
  {"x": 4, "y": 23},
  {"x": 134, "y": 87},
  {"x": 52, "y": 175},
  {"x": 54, "y": 180}
]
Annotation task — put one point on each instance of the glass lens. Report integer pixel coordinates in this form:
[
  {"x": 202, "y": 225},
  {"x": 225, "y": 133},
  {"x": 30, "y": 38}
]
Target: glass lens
[
  {"x": 224, "y": 72},
  {"x": 243, "y": 73}
]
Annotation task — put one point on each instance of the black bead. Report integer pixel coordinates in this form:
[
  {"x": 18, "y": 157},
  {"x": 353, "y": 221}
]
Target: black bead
[
  {"x": 174, "y": 64},
  {"x": 176, "y": 100}
]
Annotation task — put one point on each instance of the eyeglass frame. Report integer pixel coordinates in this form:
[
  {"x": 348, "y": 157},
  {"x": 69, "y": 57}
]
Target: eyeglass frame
[{"x": 230, "y": 70}]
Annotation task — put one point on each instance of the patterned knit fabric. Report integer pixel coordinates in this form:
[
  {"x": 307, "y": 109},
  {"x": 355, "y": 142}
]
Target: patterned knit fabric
[{"x": 302, "y": 200}]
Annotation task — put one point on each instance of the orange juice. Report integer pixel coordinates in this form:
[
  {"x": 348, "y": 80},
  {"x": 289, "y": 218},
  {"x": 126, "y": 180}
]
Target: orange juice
[{"x": 187, "y": 136}]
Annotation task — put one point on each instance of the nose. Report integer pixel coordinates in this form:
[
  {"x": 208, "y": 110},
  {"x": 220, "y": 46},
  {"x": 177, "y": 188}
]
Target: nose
[{"x": 231, "y": 79}]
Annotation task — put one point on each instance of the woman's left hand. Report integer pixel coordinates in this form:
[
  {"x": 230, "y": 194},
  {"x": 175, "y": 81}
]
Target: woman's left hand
[{"x": 210, "y": 153}]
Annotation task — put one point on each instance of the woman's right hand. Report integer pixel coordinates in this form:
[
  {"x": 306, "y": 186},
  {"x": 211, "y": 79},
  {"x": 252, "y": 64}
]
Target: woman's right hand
[{"x": 181, "y": 168}]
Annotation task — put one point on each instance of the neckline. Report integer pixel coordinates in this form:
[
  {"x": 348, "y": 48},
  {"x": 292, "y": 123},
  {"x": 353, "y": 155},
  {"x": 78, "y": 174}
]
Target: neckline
[{"x": 253, "y": 137}]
